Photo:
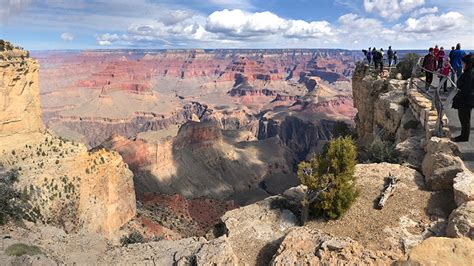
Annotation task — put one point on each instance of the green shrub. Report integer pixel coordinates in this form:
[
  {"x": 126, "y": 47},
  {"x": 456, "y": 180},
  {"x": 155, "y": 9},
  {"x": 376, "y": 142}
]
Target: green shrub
[
  {"x": 331, "y": 174},
  {"x": 381, "y": 151},
  {"x": 21, "y": 249},
  {"x": 133, "y": 238},
  {"x": 406, "y": 65},
  {"x": 10, "y": 203}
]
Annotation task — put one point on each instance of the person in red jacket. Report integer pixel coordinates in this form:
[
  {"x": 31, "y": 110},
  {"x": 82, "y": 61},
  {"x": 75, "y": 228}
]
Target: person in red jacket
[
  {"x": 429, "y": 65},
  {"x": 444, "y": 70},
  {"x": 436, "y": 54},
  {"x": 441, "y": 56}
]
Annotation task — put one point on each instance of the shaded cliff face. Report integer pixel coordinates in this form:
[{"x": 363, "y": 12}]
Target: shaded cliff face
[
  {"x": 19, "y": 93},
  {"x": 63, "y": 183},
  {"x": 203, "y": 160}
]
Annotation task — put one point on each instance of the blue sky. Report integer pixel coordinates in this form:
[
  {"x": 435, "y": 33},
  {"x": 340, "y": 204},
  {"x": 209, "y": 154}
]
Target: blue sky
[{"x": 350, "y": 24}]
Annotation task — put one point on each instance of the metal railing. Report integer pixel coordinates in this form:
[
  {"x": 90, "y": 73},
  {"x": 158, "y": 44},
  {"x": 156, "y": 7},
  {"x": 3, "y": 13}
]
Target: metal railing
[{"x": 438, "y": 104}]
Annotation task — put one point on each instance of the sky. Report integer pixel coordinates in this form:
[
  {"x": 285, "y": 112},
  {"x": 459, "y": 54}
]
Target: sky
[{"x": 167, "y": 24}]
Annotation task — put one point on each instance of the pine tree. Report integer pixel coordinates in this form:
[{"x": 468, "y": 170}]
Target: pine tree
[{"x": 330, "y": 180}]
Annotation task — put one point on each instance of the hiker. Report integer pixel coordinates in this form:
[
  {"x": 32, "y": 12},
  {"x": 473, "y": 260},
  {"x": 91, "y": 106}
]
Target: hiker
[
  {"x": 444, "y": 70},
  {"x": 464, "y": 99},
  {"x": 395, "y": 58},
  {"x": 375, "y": 57},
  {"x": 390, "y": 56},
  {"x": 451, "y": 57},
  {"x": 369, "y": 55},
  {"x": 436, "y": 53},
  {"x": 429, "y": 64},
  {"x": 456, "y": 62},
  {"x": 441, "y": 56},
  {"x": 381, "y": 60}
]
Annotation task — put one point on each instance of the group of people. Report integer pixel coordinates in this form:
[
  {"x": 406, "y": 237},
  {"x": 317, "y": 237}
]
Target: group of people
[
  {"x": 437, "y": 62},
  {"x": 456, "y": 65},
  {"x": 377, "y": 57}
]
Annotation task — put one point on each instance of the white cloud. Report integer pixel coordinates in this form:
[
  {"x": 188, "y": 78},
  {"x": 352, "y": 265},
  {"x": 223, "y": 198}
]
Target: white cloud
[
  {"x": 447, "y": 22},
  {"x": 391, "y": 9},
  {"x": 66, "y": 36},
  {"x": 175, "y": 16},
  {"x": 238, "y": 23},
  {"x": 425, "y": 10},
  {"x": 107, "y": 39}
]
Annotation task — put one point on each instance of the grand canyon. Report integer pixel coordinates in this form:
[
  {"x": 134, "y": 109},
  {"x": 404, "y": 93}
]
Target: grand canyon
[{"x": 224, "y": 124}]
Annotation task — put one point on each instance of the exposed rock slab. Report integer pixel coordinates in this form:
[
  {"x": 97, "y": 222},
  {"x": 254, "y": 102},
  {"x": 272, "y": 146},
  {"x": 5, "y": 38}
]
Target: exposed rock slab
[
  {"x": 461, "y": 221},
  {"x": 443, "y": 251},
  {"x": 463, "y": 187}
]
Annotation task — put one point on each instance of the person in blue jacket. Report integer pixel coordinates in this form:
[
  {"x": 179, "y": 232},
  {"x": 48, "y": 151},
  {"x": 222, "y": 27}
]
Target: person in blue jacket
[{"x": 456, "y": 62}]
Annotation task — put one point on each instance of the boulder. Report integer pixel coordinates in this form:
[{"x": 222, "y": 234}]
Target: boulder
[
  {"x": 217, "y": 252},
  {"x": 411, "y": 152},
  {"x": 254, "y": 231},
  {"x": 432, "y": 167},
  {"x": 461, "y": 221},
  {"x": 463, "y": 187},
  {"x": 304, "y": 246},
  {"x": 443, "y": 145},
  {"x": 442, "y": 178},
  {"x": 442, "y": 251}
]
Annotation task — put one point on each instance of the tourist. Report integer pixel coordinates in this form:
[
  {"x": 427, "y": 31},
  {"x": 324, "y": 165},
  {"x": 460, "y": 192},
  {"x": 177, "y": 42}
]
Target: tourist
[
  {"x": 456, "y": 62},
  {"x": 464, "y": 99},
  {"x": 451, "y": 57},
  {"x": 395, "y": 58},
  {"x": 375, "y": 58},
  {"x": 381, "y": 60},
  {"x": 369, "y": 55},
  {"x": 444, "y": 71},
  {"x": 441, "y": 56},
  {"x": 390, "y": 56},
  {"x": 436, "y": 53},
  {"x": 429, "y": 65}
]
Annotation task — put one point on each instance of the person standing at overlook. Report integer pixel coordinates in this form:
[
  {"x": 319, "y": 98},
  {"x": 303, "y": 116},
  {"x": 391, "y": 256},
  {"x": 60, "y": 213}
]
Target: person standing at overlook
[
  {"x": 381, "y": 60},
  {"x": 451, "y": 56},
  {"x": 441, "y": 56},
  {"x": 464, "y": 99},
  {"x": 369, "y": 56},
  {"x": 456, "y": 62},
  {"x": 436, "y": 53},
  {"x": 429, "y": 65},
  {"x": 395, "y": 58},
  {"x": 390, "y": 56}
]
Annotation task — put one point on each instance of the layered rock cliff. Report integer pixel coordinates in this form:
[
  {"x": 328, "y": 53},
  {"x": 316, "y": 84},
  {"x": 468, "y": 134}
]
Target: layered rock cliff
[
  {"x": 19, "y": 91},
  {"x": 62, "y": 182}
]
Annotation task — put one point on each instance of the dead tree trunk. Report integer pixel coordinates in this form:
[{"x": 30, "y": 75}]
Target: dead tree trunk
[{"x": 388, "y": 190}]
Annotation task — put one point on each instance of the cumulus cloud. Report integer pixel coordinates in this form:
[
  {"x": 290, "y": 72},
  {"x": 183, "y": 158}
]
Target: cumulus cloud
[
  {"x": 11, "y": 7},
  {"x": 425, "y": 10},
  {"x": 391, "y": 9},
  {"x": 241, "y": 24},
  {"x": 223, "y": 27},
  {"x": 107, "y": 39},
  {"x": 447, "y": 22},
  {"x": 175, "y": 16},
  {"x": 66, "y": 36}
]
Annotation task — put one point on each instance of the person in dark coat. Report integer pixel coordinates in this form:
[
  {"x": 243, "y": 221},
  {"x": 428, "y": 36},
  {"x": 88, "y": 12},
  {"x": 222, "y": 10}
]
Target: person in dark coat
[
  {"x": 464, "y": 99},
  {"x": 390, "y": 56},
  {"x": 451, "y": 58},
  {"x": 429, "y": 65}
]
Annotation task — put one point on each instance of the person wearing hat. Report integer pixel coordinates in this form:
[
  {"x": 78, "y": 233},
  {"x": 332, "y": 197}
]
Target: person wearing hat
[{"x": 464, "y": 99}]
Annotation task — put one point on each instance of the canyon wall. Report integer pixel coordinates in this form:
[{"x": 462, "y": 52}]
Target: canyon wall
[
  {"x": 19, "y": 96},
  {"x": 62, "y": 182}
]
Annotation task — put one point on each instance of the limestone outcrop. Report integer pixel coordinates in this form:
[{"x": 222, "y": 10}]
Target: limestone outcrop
[
  {"x": 19, "y": 92},
  {"x": 442, "y": 251},
  {"x": 461, "y": 221},
  {"x": 62, "y": 182},
  {"x": 463, "y": 187}
]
